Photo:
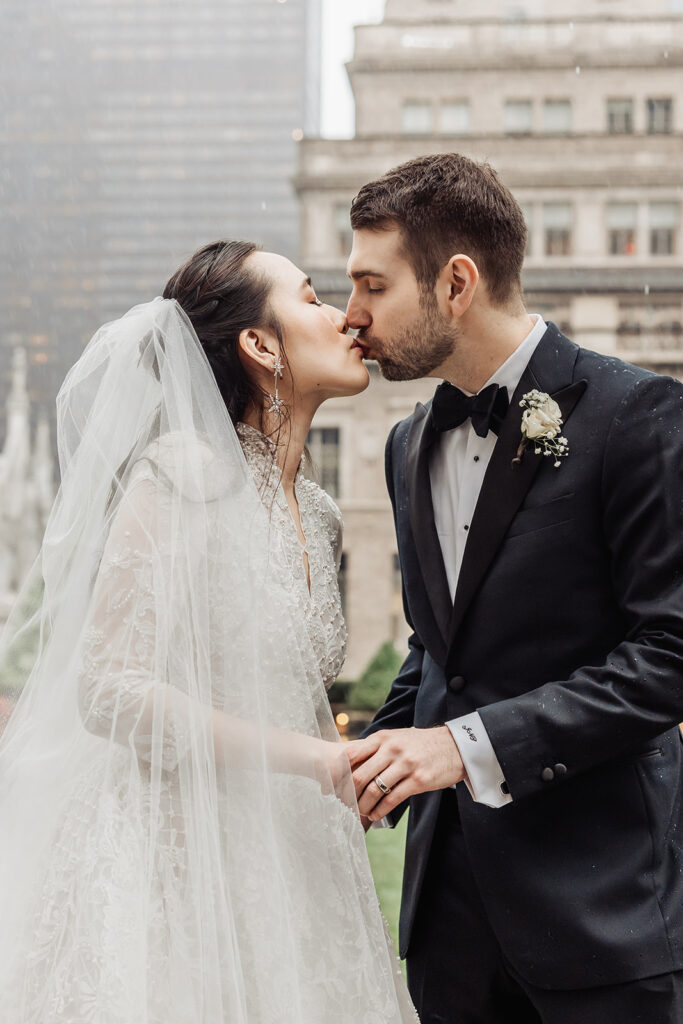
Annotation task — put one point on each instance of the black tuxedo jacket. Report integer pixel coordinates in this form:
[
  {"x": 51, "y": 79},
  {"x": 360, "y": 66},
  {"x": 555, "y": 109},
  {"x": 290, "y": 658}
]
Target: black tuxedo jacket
[{"x": 567, "y": 636}]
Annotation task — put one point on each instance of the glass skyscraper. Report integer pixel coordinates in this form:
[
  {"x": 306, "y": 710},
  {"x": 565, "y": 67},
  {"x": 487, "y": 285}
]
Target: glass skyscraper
[{"x": 131, "y": 132}]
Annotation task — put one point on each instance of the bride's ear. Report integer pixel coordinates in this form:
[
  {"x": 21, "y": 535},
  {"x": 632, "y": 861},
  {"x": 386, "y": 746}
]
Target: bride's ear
[{"x": 258, "y": 348}]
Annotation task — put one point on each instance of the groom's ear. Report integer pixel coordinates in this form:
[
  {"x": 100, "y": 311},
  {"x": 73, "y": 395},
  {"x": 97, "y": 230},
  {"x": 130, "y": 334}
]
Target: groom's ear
[{"x": 459, "y": 279}]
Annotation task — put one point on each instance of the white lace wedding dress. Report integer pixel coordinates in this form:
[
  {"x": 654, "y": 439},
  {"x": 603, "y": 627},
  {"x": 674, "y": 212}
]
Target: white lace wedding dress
[{"x": 258, "y": 906}]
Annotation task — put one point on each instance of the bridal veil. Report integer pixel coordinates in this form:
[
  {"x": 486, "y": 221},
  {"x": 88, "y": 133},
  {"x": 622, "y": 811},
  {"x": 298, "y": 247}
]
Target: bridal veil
[{"x": 177, "y": 843}]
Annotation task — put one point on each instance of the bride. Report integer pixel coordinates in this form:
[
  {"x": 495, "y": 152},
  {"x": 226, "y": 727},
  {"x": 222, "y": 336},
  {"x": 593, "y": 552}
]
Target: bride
[{"x": 179, "y": 839}]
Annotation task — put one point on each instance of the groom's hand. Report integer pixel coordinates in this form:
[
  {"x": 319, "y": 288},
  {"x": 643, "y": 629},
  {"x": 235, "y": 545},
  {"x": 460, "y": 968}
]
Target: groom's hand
[{"x": 407, "y": 761}]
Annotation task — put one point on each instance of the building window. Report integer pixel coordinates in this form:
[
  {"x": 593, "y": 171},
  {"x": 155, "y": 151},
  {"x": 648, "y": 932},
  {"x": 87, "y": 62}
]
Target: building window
[
  {"x": 628, "y": 328},
  {"x": 343, "y": 229},
  {"x": 557, "y": 228},
  {"x": 664, "y": 220},
  {"x": 557, "y": 117},
  {"x": 622, "y": 220},
  {"x": 517, "y": 117},
  {"x": 417, "y": 118},
  {"x": 620, "y": 117},
  {"x": 528, "y": 214},
  {"x": 660, "y": 116},
  {"x": 323, "y": 445},
  {"x": 514, "y": 17},
  {"x": 455, "y": 117}
]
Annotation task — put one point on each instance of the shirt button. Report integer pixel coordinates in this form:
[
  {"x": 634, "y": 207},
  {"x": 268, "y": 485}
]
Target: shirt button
[
  {"x": 476, "y": 458},
  {"x": 465, "y": 527}
]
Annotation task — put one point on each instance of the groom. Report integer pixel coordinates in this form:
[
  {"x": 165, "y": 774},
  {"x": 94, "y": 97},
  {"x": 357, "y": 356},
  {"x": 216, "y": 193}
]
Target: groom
[{"x": 532, "y": 730}]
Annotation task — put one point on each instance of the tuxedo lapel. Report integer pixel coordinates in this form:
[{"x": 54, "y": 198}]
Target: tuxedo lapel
[
  {"x": 421, "y": 509},
  {"x": 505, "y": 485}
]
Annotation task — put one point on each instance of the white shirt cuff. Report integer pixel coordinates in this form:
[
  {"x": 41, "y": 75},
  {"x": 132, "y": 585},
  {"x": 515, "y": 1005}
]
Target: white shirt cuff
[
  {"x": 485, "y": 779},
  {"x": 382, "y": 823}
]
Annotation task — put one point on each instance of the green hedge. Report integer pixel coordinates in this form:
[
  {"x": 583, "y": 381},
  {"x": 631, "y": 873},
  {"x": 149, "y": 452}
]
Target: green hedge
[{"x": 370, "y": 691}]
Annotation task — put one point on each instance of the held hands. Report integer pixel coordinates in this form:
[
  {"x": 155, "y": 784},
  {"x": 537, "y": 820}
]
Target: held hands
[
  {"x": 408, "y": 761},
  {"x": 322, "y": 760},
  {"x": 328, "y": 764}
]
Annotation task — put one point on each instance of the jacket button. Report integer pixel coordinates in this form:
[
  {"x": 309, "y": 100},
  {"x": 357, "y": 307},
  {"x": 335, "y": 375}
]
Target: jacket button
[
  {"x": 560, "y": 769},
  {"x": 456, "y": 684},
  {"x": 547, "y": 775}
]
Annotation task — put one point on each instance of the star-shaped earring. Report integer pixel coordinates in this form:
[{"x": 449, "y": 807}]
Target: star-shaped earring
[{"x": 276, "y": 405}]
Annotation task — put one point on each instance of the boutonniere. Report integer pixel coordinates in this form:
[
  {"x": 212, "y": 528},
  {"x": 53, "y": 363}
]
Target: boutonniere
[{"x": 541, "y": 426}]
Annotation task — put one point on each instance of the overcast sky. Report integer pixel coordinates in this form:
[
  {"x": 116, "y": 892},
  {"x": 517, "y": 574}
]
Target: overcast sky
[{"x": 339, "y": 17}]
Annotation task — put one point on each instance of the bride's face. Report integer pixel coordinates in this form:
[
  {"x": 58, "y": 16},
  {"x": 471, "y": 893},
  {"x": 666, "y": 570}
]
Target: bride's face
[{"x": 322, "y": 360}]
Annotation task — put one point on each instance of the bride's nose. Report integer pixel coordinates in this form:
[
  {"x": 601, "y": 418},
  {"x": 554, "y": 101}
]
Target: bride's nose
[{"x": 338, "y": 318}]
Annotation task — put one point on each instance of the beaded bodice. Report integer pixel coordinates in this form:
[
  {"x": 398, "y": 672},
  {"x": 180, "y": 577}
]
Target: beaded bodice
[{"x": 321, "y": 523}]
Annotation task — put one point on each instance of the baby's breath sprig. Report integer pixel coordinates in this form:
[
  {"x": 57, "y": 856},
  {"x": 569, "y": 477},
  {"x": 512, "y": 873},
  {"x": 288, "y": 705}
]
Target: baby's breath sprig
[{"x": 541, "y": 425}]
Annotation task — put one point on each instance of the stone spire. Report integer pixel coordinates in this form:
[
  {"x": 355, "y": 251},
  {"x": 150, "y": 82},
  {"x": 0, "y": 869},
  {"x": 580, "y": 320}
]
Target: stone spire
[
  {"x": 15, "y": 456},
  {"x": 26, "y": 485}
]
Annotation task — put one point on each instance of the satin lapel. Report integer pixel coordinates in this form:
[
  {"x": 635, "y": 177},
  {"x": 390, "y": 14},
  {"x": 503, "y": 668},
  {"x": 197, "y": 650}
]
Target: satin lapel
[
  {"x": 421, "y": 509},
  {"x": 505, "y": 486}
]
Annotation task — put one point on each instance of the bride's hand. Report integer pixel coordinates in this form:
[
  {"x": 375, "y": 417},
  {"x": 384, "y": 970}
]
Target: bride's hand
[
  {"x": 332, "y": 769},
  {"x": 322, "y": 760},
  {"x": 325, "y": 761}
]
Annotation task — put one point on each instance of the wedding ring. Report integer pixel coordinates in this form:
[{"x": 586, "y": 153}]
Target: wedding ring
[{"x": 382, "y": 786}]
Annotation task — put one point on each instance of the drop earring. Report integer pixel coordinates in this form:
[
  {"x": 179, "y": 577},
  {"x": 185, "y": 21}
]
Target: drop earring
[{"x": 276, "y": 403}]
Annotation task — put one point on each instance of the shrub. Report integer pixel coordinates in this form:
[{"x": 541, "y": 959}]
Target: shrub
[{"x": 369, "y": 693}]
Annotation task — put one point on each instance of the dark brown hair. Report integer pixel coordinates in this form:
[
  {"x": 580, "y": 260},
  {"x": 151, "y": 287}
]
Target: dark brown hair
[
  {"x": 223, "y": 296},
  {"x": 445, "y": 204}
]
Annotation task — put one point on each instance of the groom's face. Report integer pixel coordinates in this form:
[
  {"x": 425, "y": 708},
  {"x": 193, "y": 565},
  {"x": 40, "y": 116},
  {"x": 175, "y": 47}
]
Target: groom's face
[{"x": 398, "y": 322}]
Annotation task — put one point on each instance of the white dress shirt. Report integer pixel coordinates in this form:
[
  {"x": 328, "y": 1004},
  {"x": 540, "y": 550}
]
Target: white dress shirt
[{"x": 457, "y": 467}]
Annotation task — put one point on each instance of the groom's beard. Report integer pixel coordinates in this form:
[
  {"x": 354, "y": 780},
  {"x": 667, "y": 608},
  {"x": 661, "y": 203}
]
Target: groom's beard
[{"x": 414, "y": 351}]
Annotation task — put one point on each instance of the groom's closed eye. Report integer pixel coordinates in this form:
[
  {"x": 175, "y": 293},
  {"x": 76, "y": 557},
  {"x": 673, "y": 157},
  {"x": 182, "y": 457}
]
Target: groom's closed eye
[{"x": 375, "y": 284}]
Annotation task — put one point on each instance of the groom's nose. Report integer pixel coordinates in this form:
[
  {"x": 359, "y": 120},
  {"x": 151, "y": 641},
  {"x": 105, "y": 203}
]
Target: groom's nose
[{"x": 356, "y": 315}]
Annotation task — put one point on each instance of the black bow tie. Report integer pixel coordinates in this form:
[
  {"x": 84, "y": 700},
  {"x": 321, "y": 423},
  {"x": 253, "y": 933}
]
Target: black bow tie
[{"x": 487, "y": 410}]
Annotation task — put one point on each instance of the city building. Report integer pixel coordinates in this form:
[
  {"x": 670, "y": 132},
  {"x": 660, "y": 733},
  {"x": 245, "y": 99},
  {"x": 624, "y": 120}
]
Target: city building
[
  {"x": 582, "y": 115},
  {"x": 132, "y": 132}
]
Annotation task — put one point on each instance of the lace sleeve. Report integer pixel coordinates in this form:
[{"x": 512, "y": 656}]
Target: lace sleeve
[{"x": 123, "y": 692}]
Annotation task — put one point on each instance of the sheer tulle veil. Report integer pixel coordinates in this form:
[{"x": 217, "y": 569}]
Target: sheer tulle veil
[{"x": 177, "y": 843}]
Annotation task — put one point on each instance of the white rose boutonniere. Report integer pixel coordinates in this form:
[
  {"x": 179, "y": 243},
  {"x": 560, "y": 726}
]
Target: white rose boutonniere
[{"x": 541, "y": 425}]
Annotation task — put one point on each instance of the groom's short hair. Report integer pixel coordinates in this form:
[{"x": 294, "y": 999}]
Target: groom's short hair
[{"x": 445, "y": 204}]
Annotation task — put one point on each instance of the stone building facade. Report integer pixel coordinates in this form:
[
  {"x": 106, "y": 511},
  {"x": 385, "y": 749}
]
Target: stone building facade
[{"x": 582, "y": 115}]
